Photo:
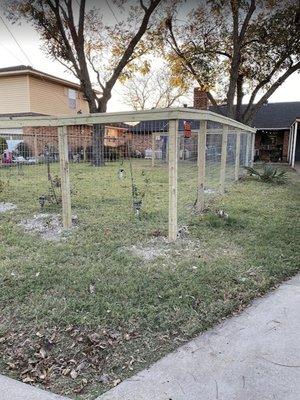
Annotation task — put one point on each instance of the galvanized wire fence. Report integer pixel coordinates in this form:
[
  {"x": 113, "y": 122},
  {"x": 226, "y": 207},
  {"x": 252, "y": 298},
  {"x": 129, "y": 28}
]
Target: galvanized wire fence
[{"x": 128, "y": 167}]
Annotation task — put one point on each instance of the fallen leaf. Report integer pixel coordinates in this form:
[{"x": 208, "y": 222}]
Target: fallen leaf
[
  {"x": 94, "y": 337},
  {"x": 92, "y": 288},
  {"x": 42, "y": 352},
  {"x": 73, "y": 374},
  {"x": 66, "y": 371},
  {"x": 104, "y": 378},
  {"x": 81, "y": 366},
  {"x": 27, "y": 379}
]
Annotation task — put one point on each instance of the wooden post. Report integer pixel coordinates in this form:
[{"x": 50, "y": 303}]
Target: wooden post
[
  {"x": 153, "y": 150},
  {"x": 65, "y": 179},
  {"x": 173, "y": 162},
  {"x": 252, "y": 148},
  {"x": 289, "y": 145},
  {"x": 237, "y": 156},
  {"x": 247, "y": 150},
  {"x": 294, "y": 144},
  {"x": 223, "y": 158},
  {"x": 201, "y": 165}
]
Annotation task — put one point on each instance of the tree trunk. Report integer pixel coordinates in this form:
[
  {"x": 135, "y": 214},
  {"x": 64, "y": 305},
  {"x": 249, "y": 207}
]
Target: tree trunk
[
  {"x": 98, "y": 135},
  {"x": 239, "y": 95},
  {"x": 98, "y": 145}
]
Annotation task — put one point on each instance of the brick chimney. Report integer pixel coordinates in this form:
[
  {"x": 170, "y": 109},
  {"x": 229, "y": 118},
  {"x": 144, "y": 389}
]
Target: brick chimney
[{"x": 200, "y": 99}]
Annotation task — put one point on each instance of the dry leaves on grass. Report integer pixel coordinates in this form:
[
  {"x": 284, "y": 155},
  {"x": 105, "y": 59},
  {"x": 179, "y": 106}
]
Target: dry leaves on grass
[{"x": 73, "y": 357}]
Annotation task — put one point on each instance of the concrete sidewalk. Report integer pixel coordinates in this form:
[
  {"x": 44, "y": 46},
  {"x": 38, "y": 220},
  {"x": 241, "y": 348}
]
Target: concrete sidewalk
[
  {"x": 254, "y": 356},
  {"x": 15, "y": 390}
]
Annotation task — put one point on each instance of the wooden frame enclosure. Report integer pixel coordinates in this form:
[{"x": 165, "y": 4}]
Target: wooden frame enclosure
[{"x": 171, "y": 115}]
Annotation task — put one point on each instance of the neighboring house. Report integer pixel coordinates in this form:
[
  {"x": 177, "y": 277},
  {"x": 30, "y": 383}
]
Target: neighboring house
[
  {"x": 273, "y": 122},
  {"x": 27, "y": 91},
  {"x": 294, "y": 144},
  {"x": 275, "y": 139}
]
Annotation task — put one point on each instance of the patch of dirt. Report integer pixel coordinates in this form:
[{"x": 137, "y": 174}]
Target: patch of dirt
[
  {"x": 184, "y": 247},
  {"x": 7, "y": 207},
  {"x": 161, "y": 247},
  {"x": 48, "y": 226}
]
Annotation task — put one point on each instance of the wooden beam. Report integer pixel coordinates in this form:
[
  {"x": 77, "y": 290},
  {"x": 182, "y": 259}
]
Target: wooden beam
[
  {"x": 65, "y": 178},
  {"x": 237, "y": 156},
  {"x": 129, "y": 116},
  {"x": 201, "y": 147},
  {"x": 223, "y": 159},
  {"x": 173, "y": 163}
]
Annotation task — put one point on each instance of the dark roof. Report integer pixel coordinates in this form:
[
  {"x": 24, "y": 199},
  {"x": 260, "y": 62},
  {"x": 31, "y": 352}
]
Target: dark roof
[
  {"x": 271, "y": 115},
  {"x": 277, "y": 115},
  {"x": 16, "y": 68}
]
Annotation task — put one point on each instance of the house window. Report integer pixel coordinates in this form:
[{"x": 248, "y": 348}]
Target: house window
[{"x": 72, "y": 98}]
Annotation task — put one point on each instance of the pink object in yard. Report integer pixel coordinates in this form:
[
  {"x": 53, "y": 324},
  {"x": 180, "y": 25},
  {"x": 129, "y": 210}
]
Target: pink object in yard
[{"x": 7, "y": 157}]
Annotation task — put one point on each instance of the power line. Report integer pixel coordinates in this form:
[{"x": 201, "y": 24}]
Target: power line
[
  {"x": 11, "y": 53},
  {"x": 28, "y": 59},
  {"x": 112, "y": 11},
  {"x": 15, "y": 40}
]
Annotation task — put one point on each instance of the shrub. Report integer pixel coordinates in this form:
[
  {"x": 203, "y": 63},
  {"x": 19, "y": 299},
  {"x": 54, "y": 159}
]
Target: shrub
[
  {"x": 3, "y": 145},
  {"x": 268, "y": 174}
]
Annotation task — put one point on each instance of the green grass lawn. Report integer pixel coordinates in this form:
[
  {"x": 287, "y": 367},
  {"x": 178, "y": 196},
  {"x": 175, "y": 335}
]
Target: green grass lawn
[{"x": 79, "y": 315}]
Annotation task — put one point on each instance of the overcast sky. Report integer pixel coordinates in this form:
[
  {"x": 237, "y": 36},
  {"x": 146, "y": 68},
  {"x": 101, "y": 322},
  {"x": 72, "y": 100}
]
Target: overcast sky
[{"x": 32, "y": 54}]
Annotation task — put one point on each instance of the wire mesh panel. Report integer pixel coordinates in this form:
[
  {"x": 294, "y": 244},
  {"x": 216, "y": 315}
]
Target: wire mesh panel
[
  {"x": 119, "y": 172},
  {"x": 30, "y": 169},
  {"x": 187, "y": 168},
  {"x": 243, "y": 149},
  {"x": 213, "y": 160},
  {"x": 231, "y": 156}
]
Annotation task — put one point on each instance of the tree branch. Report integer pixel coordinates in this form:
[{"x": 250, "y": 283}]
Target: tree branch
[
  {"x": 187, "y": 64},
  {"x": 263, "y": 83},
  {"x": 253, "y": 110},
  {"x": 131, "y": 47}
]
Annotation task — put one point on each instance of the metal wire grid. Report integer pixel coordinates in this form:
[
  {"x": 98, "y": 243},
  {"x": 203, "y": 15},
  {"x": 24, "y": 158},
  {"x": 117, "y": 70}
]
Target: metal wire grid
[{"x": 134, "y": 154}]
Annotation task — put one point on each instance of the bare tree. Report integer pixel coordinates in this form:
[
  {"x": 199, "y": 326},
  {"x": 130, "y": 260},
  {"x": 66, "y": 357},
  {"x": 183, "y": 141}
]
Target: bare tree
[{"x": 153, "y": 90}]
